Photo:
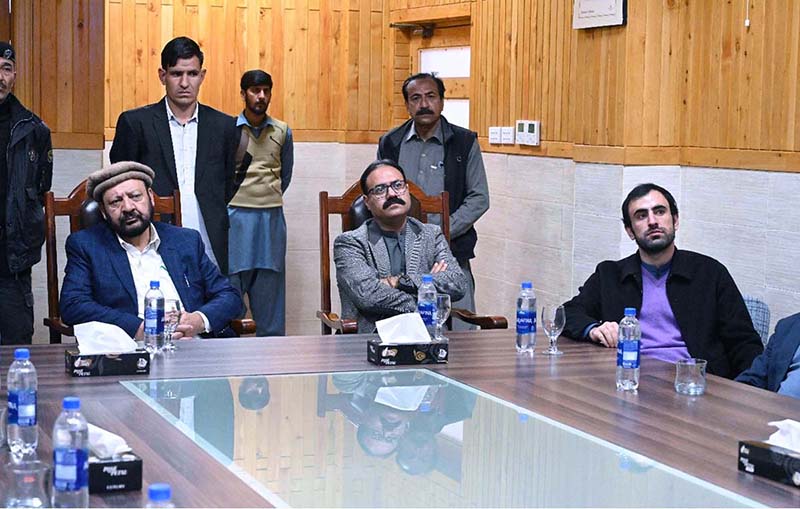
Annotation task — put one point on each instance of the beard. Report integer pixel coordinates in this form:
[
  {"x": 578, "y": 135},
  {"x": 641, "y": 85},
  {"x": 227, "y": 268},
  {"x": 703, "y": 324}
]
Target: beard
[
  {"x": 128, "y": 231},
  {"x": 655, "y": 246}
]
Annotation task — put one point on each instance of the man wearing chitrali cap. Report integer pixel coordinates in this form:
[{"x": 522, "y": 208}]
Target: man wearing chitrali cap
[
  {"x": 110, "y": 265},
  {"x": 26, "y": 171}
]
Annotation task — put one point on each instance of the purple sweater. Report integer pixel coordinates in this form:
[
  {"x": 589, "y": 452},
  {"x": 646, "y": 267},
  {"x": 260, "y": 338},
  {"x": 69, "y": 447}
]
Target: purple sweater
[{"x": 661, "y": 337}]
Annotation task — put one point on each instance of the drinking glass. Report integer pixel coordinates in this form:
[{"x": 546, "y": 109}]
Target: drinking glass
[
  {"x": 553, "y": 320},
  {"x": 172, "y": 317},
  {"x": 690, "y": 377},
  {"x": 28, "y": 485},
  {"x": 442, "y": 313}
]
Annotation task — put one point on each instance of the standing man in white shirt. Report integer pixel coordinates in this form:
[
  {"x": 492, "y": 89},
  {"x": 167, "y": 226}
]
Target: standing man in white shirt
[{"x": 190, "y": 147}]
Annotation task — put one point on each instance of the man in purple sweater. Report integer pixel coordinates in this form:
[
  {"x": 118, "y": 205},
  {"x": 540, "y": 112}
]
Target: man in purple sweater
[{"x": 688, "y": 304}]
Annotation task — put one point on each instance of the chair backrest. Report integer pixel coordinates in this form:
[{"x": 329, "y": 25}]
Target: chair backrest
[
  {"x": 353, "y": 211},
  {"x": 83, "y": 212},
  {"x": 759, "y": 313}
]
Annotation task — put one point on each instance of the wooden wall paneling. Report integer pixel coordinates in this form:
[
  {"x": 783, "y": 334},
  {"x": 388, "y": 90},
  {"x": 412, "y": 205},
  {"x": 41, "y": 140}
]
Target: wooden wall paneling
[{"x": 793, "y": 69}]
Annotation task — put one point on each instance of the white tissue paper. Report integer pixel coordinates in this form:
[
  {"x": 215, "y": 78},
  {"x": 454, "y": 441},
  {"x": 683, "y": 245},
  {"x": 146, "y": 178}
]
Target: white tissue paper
[
  {"x": 402, "y": 398},
  {"x": 105, "y": 444},
  {"x": 402, "y": 329},
  {"x": 100, "y": 338},
  {"x": 787, "y": 436}
]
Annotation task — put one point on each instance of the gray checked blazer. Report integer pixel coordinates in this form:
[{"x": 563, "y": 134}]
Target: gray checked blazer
[{"x": 362, "y": 260}]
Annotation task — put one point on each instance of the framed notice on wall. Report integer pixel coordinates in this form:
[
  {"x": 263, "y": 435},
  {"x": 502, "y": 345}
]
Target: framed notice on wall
[{"x": 598, "y": 13}]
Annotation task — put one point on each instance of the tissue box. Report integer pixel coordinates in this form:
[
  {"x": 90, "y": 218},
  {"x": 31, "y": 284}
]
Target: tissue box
[
  {"x": 111, "y": 475},
  {"x": 770, "y": 461},
  {"x": 132, "y": 363},
  {"x": 387, "y": 354}
]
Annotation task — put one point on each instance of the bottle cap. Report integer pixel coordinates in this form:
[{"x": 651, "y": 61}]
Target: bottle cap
[
  {"x": 527, "y": 285},
  {"x": 154, "y": 284},
  {"x": 159, "y": 492},
  {"x": 630, "y": 311},
  {"x": 71, "y": 403},
  {"x": 427, "y": 278},
  {"x": 22, "y": 354}
]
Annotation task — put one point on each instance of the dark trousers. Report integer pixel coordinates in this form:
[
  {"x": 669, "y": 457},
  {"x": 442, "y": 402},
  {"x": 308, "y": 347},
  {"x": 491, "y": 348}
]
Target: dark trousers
[{"x": 16, "y": 309}]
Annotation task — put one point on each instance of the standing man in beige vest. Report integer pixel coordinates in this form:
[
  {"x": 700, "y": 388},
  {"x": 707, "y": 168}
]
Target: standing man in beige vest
[{"x": 257, "y": 239}]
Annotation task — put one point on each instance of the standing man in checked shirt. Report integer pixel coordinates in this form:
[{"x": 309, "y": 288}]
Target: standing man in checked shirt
[
  {"x": 257, "y": 240},
  {"x": 439, "y": 156}
]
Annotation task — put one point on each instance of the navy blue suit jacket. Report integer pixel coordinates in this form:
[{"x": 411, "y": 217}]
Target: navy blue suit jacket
[
  {"x": 769, "y": 369},
  {"x": 98, "y": 283}
]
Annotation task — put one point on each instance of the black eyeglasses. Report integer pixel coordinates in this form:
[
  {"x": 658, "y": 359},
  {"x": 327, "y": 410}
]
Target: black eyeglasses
[{"x": 398, "y": 186}]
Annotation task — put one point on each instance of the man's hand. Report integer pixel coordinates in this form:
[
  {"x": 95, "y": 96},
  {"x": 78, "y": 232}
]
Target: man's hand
[
  {"x": 140, "y": 332},
  {"x": 607, "y": 334},
  {"x": 390, "y": 281},
  {"x": 439, "y": 266},
  {"x": 191, "y": 325}
]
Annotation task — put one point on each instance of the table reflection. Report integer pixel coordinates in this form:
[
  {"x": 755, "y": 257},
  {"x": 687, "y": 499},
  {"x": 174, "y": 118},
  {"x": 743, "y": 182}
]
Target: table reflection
[{"x": 409, "y": 438}]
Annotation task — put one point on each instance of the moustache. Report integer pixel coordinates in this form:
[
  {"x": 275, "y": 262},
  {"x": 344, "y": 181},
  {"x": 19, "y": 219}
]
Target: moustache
[
  {"x": 130, "y": 215},
  {"x": 393, "y": 200},
  {"x": 423, "y": 111}
]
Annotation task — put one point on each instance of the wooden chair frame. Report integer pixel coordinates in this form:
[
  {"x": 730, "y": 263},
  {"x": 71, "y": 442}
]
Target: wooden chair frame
[
  {"x": 76, "y": 206},
  {"x": 422, "y": 205}
]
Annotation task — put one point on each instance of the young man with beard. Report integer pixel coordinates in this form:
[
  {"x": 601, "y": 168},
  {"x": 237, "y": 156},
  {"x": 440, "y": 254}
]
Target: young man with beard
[
  {"x": 379, "y": 265},
  {"x": 257, "y": 236},
  {"x": 110, "y": 265},
  {"x": 688, "y": 304}
]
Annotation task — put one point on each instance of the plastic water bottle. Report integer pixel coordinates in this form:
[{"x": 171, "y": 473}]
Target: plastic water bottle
[
  {"x": 154, "y": 319},
  {"x": 630, "y": 339},
  {"x": 71, "y": 457},
  {"x": 159, "y": 496},
  {"x": 22, "y": 432},
  {"x": 526, "y": 318},
  {"x": 426, "y": 303}
]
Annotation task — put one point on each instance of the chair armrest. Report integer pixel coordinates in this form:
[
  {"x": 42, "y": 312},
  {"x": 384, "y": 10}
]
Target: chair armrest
[
  {"x": 483, "y": 321},
  {"x": 56, "y": 325},
  {"x": 341, "y": 325},
  {"x": 243, "y": 326}
]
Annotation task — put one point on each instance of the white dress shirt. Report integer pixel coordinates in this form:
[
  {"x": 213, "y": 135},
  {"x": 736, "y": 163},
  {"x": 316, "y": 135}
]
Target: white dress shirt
[
  {"x": 184, "y": 148},
  {"x": 148, "y": 266}
]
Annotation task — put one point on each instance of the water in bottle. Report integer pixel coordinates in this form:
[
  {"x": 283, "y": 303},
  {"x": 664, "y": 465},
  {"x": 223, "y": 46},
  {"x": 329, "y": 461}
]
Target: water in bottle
[
  {"x": 159, "y": 496},
  {"x": 630, "y": 339},
  {"x": 526, "y": 318},
  {"x": 154, "y": 319},
  {"x": 71, "y": 457},
  {"x": 426, "y": 303},
  {"x": 22, "y": 432}
]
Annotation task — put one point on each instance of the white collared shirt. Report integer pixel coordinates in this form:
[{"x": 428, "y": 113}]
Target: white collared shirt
[
  {"x": 147, "y": 266},
  {"x": 184, "y": 148}
]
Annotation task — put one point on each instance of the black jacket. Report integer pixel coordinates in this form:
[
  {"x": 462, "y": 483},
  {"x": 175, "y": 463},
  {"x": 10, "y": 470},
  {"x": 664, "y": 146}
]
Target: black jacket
[
  {"x": 707, "y": 305},
  {"x": 143, "y": 135},
  {"x": 770, "y": 368},
  {"x": 457, "y": 145},
  {"x": 30, "y": 173}
]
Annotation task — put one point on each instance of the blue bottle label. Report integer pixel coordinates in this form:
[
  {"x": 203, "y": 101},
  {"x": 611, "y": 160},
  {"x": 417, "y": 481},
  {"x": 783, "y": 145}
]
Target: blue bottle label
[
  {"x": 427, "y": 310},
  {"x": 153, "y": 320},
  {"x": 71, "y": 470},
  {"x": 526, "y": 322},
  {"x": 628, "y": 354},
  {"x": 22, "y": 407}
]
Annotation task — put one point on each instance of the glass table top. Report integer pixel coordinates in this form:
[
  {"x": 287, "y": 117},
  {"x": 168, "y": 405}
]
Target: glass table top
[{"x": 409, "y": 438}]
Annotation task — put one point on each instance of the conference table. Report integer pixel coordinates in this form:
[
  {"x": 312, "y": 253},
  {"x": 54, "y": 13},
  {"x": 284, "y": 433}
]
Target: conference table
[{"x": 489, "y": 428}]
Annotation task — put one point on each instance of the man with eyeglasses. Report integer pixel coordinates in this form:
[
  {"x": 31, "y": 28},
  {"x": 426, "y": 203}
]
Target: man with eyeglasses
[
  {"x": 26, "y": 172},
  {"x": 379, "y": 265},
  {"x": 440, "y": 156},
  {"x": 257, "y": 235}
]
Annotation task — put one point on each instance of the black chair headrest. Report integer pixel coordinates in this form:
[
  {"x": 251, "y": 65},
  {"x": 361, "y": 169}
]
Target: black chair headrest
[
  {"x": 90, "y": 214},
  {"x": 358, "y": 213}
]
